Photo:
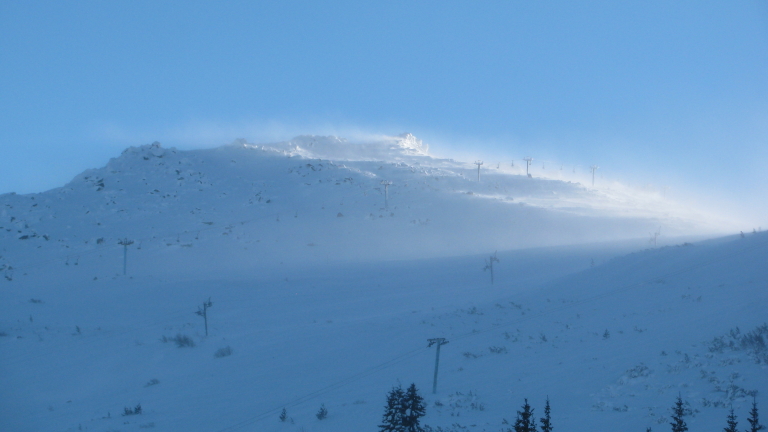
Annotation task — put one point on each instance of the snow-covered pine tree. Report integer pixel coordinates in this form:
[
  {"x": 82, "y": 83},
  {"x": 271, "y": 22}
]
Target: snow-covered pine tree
[
  {"x": 732, "y": 423},
  {"x": 678, "y": 412},
  {"x": 413, "y": 409},
  {"x": 754, "y": 422},
  {"x": 546, "y": 421},
  {"x": 283, "y": 415},
  {"x": 525, "y": 421},
  {"x": 392, "y": 421}
]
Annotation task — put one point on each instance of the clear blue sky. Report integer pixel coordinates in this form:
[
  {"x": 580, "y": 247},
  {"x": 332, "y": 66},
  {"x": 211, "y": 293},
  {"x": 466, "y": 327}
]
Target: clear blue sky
[{"x": 661, "y": 92}]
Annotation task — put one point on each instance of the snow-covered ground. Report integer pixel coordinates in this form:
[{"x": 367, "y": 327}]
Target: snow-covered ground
[{"x": 326, "y": 293}]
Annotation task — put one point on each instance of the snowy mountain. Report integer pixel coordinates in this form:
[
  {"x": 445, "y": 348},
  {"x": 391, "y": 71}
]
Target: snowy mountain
[
  {"x": 324, "y": 291},
  {"x": 319, "y": 199}
]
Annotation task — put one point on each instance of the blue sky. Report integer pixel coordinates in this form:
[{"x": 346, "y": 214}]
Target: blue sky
[{"x": 669, "y": 93}]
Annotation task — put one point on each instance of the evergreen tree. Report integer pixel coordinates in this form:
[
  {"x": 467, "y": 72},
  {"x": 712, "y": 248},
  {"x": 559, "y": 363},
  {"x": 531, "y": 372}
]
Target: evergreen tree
[
  {"x": 678, "y": 412},
  {"x": 283, "y": 415},
  {"x": 754, "y": 423},
  {"x": 546, "y": 422},
  {"x": 525, "y": 421},
  {"x": 392, "y": 420},
  {"x": 412, "y": 407},
  {"x": 732, "y": 423}
]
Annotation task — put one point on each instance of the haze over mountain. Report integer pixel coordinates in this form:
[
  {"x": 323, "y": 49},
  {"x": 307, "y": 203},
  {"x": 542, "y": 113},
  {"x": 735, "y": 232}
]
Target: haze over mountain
[
  {"x": 322, "y": 198},
  {"x": 325, "y": 285}
]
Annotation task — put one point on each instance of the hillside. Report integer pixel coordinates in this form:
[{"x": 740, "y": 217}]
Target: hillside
[
  {"x": 315, "y": 199},
  {"x": 325, "y": 294}
]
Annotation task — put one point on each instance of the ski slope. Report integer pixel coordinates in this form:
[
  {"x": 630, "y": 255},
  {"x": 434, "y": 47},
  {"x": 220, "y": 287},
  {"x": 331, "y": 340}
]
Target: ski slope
[{"x": 327, "y": 294}]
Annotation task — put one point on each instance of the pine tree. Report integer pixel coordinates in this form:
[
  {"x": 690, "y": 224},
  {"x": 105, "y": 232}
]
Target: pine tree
[
  {"x": 525, "y": 421},
  {"x": 546, "y": 421},
  {"x": 732, "y": 423},
  {"x": 283, "y": 415},
  {"x": 754, "y": 423},
  {"x": 412, "y": 408},
  {"x": 392, "y": 421},
  {"x": 678, "y": 412}
]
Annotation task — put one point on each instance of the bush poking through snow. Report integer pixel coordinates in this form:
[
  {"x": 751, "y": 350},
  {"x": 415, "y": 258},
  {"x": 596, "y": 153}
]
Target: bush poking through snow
[
  {"x": 180, "y": 340},
  {"x": 153, "y": 381},
  {"x": 134, "y": 411},
  {"x": 754, "y": 342},
  {"x": 223, "y": 352},
  {"x": 322, "y": 412}
]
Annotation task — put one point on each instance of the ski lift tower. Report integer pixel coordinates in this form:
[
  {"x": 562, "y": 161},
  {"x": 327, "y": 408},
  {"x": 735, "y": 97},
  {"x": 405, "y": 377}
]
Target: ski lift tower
[
  {"x": 478, "y": 163},
  {"x": 386, "y": 184},
  {"x": 593, "y": 168},
  {"x": 528, "y": 161}
]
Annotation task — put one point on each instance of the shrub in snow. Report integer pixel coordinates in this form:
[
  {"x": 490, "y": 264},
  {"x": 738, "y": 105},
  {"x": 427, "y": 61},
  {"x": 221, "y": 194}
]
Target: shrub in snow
[
  {"x": 322, "y": 412},
  {"x": 180, "y": 340},
  {"x": 134, "y": 411},
  {"x": 223, "y": 352},
  {"x": 754, "y": 342}
]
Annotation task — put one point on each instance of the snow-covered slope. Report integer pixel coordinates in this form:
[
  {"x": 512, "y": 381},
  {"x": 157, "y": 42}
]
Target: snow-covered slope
[
  {"x": 316, "y": 291},
  {"x": 319, "y": 199},
  {"x": 612, "y": 346}
]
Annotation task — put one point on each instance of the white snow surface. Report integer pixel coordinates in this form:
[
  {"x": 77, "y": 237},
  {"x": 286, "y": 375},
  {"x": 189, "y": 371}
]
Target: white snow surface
[{"x": 327, "y": 294}]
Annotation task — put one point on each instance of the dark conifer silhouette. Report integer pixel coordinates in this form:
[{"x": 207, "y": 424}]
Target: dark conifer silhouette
[
  {"x": 413, "y": 409},
  {"x": 732, "y": 423},
  {"x": 546, "y": 421},
  {"x": 525, "y": 421},
  {"x": 392, "y": 421},
  {"x": 678, "y": 412},
  {"x": 754, "y": 423},
  {"x": 403, "y": 411}
]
